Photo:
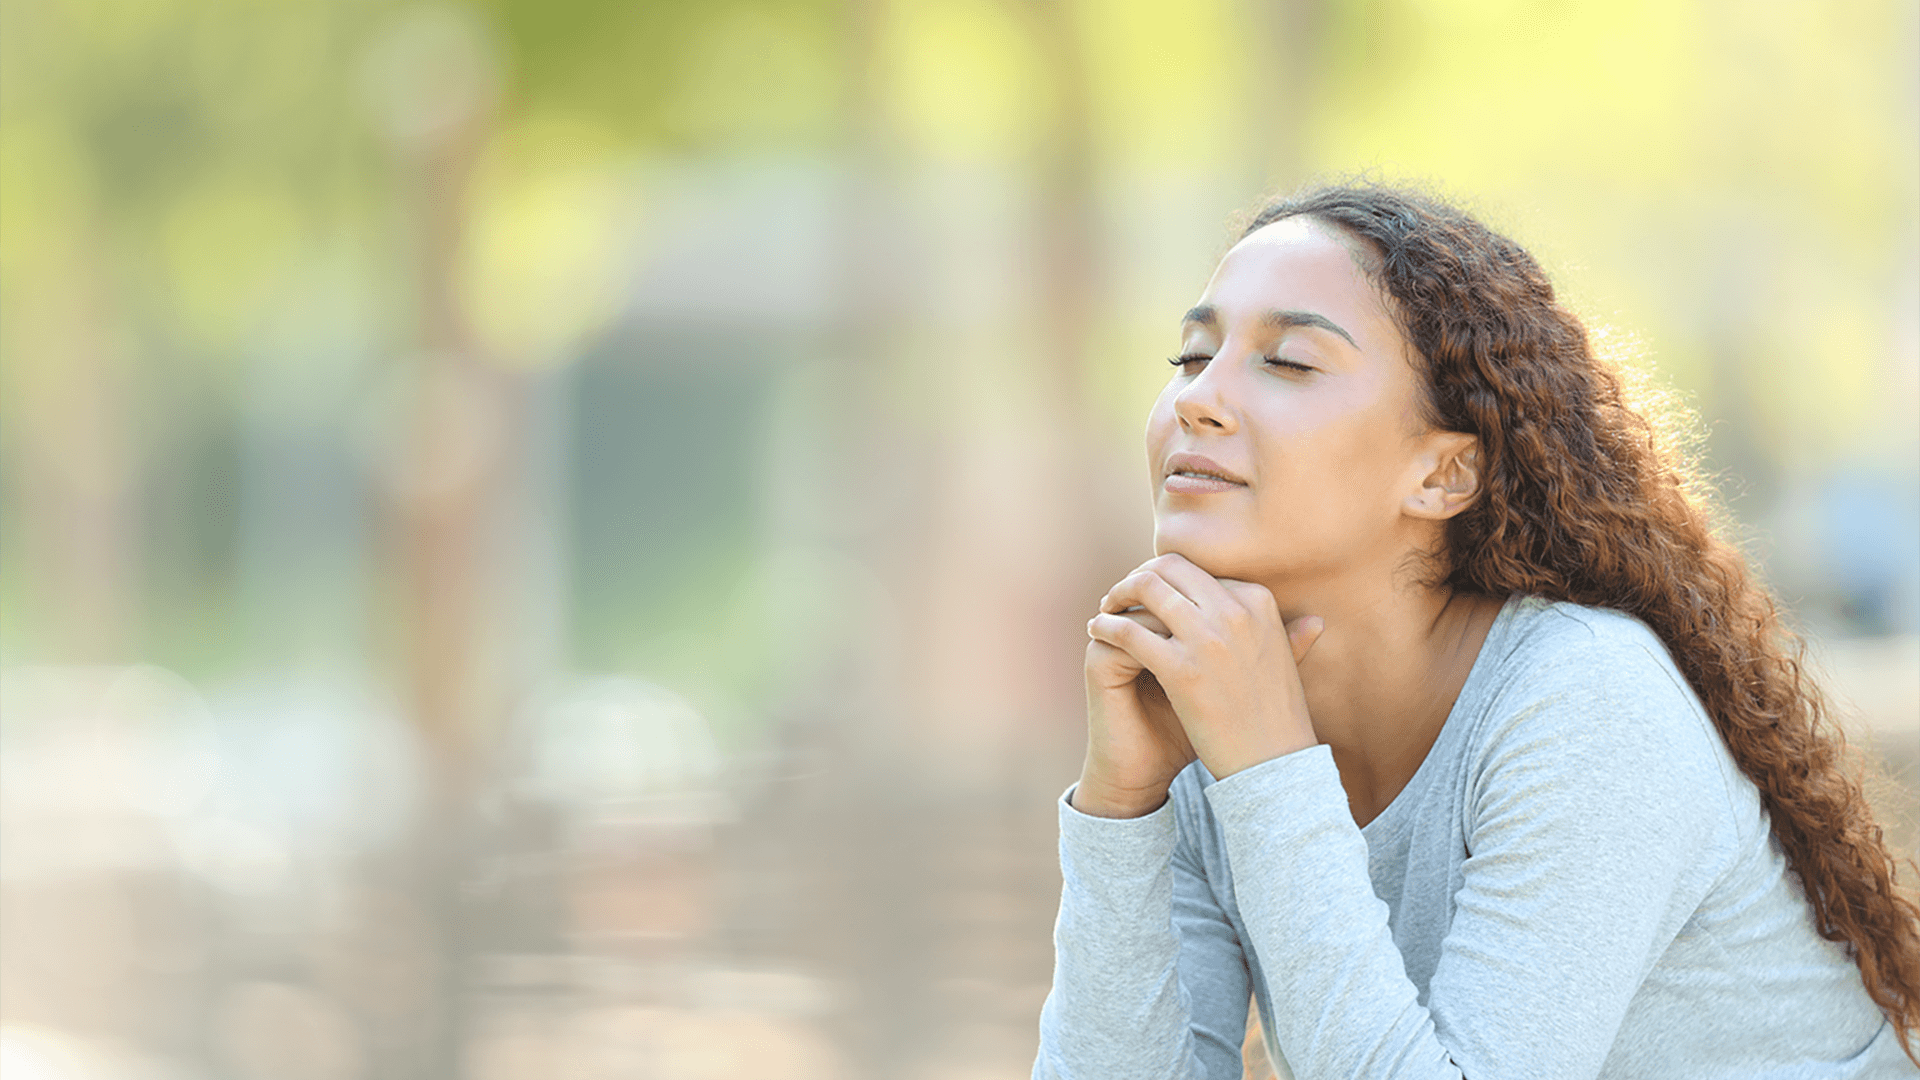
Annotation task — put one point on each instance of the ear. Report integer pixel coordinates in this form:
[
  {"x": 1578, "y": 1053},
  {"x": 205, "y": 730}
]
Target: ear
[{"x": 1450, "y": 466}]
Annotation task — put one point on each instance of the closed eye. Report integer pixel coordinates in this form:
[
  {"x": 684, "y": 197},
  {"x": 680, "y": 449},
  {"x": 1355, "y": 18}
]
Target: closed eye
[{"x": 1272, "y": 361}]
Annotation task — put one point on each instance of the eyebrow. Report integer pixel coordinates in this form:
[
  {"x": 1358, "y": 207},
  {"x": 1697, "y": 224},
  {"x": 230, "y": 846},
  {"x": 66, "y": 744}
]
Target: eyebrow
[{"x": 1282, "y": 319}]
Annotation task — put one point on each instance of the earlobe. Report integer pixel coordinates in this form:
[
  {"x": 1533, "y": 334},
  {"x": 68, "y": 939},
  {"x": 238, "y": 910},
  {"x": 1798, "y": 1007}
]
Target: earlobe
[{"x": 1453, "y": 480}]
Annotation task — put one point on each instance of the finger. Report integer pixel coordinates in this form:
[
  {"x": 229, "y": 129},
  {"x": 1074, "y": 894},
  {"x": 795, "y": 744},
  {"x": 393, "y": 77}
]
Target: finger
[
  {"x": 1152, "y": 592},
  {"x": 1302, "y": 633},
  {"x": 1154, "y": 652},
  {"x": 1147, "y": 619},
  {"x": 1203, "y": 589},
  {"x": 1132, "y": 590}
]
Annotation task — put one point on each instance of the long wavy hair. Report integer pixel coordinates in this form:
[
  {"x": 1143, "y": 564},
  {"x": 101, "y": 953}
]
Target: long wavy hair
[{"x": 1587, "y": 500}]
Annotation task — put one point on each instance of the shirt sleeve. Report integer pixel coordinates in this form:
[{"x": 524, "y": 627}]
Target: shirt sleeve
[
  {"x": 1596, "y": 821},
  {"x": 1149, "y": 982}
]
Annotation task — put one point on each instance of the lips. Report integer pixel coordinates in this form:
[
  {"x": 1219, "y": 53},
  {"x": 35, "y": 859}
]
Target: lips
[{"x": 1200, "y": 469}]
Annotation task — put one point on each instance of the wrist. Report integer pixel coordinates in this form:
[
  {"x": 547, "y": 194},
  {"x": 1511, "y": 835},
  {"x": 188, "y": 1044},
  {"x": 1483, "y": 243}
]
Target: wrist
[
  {"x": 1095, "y": 798},
  {"x": 1227, "y": 761}
]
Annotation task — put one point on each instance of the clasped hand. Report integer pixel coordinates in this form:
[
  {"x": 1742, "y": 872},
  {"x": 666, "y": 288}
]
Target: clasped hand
[{"x": 1182, "y": 665}]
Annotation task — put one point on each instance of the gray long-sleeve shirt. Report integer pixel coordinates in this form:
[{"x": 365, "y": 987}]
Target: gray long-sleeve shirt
[{"x": 1577, "y": 882}]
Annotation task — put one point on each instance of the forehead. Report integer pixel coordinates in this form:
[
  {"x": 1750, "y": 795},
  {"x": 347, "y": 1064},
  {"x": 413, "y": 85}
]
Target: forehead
[{"x": 1304, "y": 265}]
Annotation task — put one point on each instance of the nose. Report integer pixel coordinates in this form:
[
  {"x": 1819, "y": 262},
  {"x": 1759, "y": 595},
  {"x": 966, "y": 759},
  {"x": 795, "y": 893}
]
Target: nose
[{"x": 1201, "y": 403}]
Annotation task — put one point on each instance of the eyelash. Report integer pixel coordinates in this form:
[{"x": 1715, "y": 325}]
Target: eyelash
[{"x": 1183, "y": 361}]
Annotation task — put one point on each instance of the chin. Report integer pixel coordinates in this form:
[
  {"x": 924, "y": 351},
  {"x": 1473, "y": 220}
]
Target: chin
[{"x": 1219, "y": 556}]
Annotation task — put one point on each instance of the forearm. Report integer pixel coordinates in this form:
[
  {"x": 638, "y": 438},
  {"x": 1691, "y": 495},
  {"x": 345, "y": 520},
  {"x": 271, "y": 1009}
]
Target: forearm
[
  {"x": 1117, "y": 1009},
  {"x": 1343, "y": 1004}
]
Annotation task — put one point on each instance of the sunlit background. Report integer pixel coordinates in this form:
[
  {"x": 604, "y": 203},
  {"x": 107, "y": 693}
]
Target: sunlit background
[{"x": 550, "y": 538}]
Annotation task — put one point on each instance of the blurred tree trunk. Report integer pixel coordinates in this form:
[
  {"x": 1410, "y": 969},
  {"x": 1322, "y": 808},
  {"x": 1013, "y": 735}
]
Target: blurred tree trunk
[
  {"x": 1056, "y": 598},
  {"x": 69, "y": 447},
  {"x": 456, "y": 458},
  {"x": 1068, "y": 218},
  {"x": 843, "y": 926},
  {"x": 1286, "y": 39},
  {"x": 464, "y": 433}
]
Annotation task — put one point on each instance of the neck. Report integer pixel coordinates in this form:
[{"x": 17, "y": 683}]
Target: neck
[{"x": 1384, "y": 674}]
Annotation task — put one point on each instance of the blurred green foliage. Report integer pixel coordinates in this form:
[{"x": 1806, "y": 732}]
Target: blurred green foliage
[{"x": 207, "y": 247}]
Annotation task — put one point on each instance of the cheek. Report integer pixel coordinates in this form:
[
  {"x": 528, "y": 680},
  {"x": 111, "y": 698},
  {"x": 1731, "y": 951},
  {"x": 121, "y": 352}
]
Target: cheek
[
  {"x": 1328, "y": 461},
  {"x": 1160, "y": 421}
]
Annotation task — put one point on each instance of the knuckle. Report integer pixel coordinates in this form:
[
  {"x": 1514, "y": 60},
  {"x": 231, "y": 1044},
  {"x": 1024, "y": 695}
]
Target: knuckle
[{"x": 1255, "y": 599}]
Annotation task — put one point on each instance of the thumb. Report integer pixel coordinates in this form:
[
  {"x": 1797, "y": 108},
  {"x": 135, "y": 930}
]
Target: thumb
[{"x": 1304, "y": 631}]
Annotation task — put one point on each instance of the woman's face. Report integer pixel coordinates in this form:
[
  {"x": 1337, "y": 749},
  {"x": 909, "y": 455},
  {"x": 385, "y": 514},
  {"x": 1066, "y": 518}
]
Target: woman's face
[{"x": 1296, "y": 390}]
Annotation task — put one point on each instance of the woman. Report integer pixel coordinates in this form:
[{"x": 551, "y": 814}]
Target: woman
[{"x": 1441, "y": 723}]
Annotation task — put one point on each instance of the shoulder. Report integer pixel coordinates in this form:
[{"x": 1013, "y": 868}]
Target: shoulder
[
  {"x": 1542, "y": 631},
  {"x": 1553, "y": 651},
  {"x": 1590, "y": 699}
]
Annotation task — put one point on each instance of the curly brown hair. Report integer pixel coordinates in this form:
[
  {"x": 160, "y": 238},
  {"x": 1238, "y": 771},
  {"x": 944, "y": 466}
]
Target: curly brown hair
[{"x": 1585, "y": 500}]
